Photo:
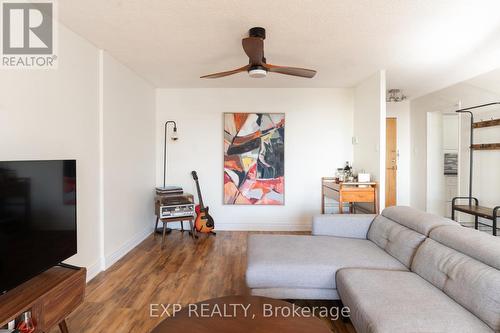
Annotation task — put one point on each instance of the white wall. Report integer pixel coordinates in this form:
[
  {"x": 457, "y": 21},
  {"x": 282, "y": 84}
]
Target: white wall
[
  {"x": 369, "y": 130},
  {"x": 129, "y": 158},
  {"x": 419, "y": 108},
  {"x": 481, "y": 89},
  {"x": 442, "y": 138},
  {"x": 53, "y": 114},
  {"x": 450, "y": 133},
  {"x": 96, "y": 111},
  {"x": 418, "y": 163},
  {"x": 435, "y": 196},
  {"x": 401, "y": 111},
  {"x": 317, "y": 141}
]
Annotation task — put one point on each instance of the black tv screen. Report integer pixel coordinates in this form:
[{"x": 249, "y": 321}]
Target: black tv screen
[{"x": 37, "y": 218}]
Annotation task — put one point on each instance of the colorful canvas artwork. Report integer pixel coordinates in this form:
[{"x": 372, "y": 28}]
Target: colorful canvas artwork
[{"x": 254, "y": 158}]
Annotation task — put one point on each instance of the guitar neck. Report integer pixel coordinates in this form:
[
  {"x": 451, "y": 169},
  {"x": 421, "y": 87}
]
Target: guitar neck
[{"x": 200, "y": 199}]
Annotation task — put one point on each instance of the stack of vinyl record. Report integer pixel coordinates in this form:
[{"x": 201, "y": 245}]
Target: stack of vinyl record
[{"x": 169, "y": 190}]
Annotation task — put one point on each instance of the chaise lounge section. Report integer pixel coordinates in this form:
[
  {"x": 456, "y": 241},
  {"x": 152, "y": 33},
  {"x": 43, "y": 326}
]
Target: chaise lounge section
[{"x": 402, "y": 271}]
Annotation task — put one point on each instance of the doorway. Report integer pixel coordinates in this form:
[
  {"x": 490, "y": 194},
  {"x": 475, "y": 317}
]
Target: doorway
[
  {"x": 391, "y": 162},
  {"x": 443, "y": 144}
]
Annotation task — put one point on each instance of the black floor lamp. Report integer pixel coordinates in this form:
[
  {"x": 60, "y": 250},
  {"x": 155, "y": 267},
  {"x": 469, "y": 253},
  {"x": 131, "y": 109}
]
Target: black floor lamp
[{"x": 173, "y": 137}]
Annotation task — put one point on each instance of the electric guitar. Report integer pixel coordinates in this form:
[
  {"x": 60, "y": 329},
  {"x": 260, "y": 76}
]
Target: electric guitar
[{"x": 204, "y": 222}]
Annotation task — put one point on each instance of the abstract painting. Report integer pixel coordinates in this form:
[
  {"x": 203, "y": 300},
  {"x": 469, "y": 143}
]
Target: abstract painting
[{"x": 254, "y": 156}]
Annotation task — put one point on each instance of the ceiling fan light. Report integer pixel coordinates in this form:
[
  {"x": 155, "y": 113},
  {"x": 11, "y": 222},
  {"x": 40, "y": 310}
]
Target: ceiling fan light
[{"x": 257, "y": 73}]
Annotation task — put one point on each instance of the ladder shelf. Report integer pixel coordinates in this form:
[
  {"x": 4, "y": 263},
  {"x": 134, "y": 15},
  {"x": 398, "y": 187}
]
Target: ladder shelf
[{"x": 473, "y": 208}]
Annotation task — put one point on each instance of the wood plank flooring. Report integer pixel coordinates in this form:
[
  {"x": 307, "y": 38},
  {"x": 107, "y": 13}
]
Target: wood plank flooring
[{"x": 185, "y": 271}]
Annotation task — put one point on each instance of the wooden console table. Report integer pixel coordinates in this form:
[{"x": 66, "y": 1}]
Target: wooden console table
[
  {"x": 348, "y": 192},
  {"x": 50, "y": 296}
]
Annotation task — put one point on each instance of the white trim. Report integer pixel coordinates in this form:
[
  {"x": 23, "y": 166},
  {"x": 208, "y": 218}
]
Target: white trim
[
  {"x": 112, "y": 258},
  {"x": 382, "y": 141},
  {"x": 261, "y": 227},
  {"x": 93, "y": 270},
  {"x": 101, "y": 160}
]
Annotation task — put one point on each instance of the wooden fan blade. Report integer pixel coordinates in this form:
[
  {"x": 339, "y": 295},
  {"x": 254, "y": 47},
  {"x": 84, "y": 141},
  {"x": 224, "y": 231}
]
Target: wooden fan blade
[
  {"x": 294, "y": 71},
  {"x": 222, "y": 74},
  {"x": 254, "y": 48}
]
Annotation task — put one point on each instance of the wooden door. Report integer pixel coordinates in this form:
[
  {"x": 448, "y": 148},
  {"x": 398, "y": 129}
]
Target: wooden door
[{"x": 391, "y": 162}]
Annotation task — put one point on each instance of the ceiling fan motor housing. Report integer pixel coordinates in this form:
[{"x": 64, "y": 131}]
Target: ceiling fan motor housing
[
  {"x": 257, "y": 71},
  {"x": 257, "y": 32}
]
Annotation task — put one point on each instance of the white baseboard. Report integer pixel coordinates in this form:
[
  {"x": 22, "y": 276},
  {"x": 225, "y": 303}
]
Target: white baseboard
[
  {"x": 93, "y": 270},
  {"x": 112, "y": 258},
  {"x": 261, "y": 227}
]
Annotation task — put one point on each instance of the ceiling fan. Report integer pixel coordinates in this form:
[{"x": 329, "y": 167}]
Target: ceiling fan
[{"x": 253, "y": 45}]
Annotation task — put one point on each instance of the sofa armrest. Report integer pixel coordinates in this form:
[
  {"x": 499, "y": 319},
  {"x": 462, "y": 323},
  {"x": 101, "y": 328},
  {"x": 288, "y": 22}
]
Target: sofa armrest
[{"x": 342, "y": 225}]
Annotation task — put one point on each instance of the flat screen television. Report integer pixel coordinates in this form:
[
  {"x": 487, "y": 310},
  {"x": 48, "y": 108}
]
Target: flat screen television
[{"x": 37, "y": 218}]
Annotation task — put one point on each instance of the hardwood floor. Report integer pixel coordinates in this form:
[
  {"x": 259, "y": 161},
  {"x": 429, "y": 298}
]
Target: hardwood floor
[{"x": 185, "y": 271}]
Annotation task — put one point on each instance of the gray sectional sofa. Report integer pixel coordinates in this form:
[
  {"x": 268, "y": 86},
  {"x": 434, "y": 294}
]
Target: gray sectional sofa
[{"x": 402, "y": 271}]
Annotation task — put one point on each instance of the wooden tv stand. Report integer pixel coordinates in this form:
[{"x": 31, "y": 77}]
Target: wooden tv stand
[{"x": 50, "y": 296}]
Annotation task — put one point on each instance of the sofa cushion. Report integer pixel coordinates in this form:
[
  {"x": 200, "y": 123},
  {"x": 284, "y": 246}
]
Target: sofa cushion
[
  {"x": 478, "y": 245},
  {"x": 296, "y": 261},
  {"x": 397, "y": 240},
  {"x": 471, "y": 283},
  {"x": 296, "y": 293},
  {"x": 342, "y": 225},
  {"x": 384, "y": 301},
  {"x": 415, "y": 219}
]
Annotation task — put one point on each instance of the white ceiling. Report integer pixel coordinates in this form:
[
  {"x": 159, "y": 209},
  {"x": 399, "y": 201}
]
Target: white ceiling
[{"x": 423, "y": 44}]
